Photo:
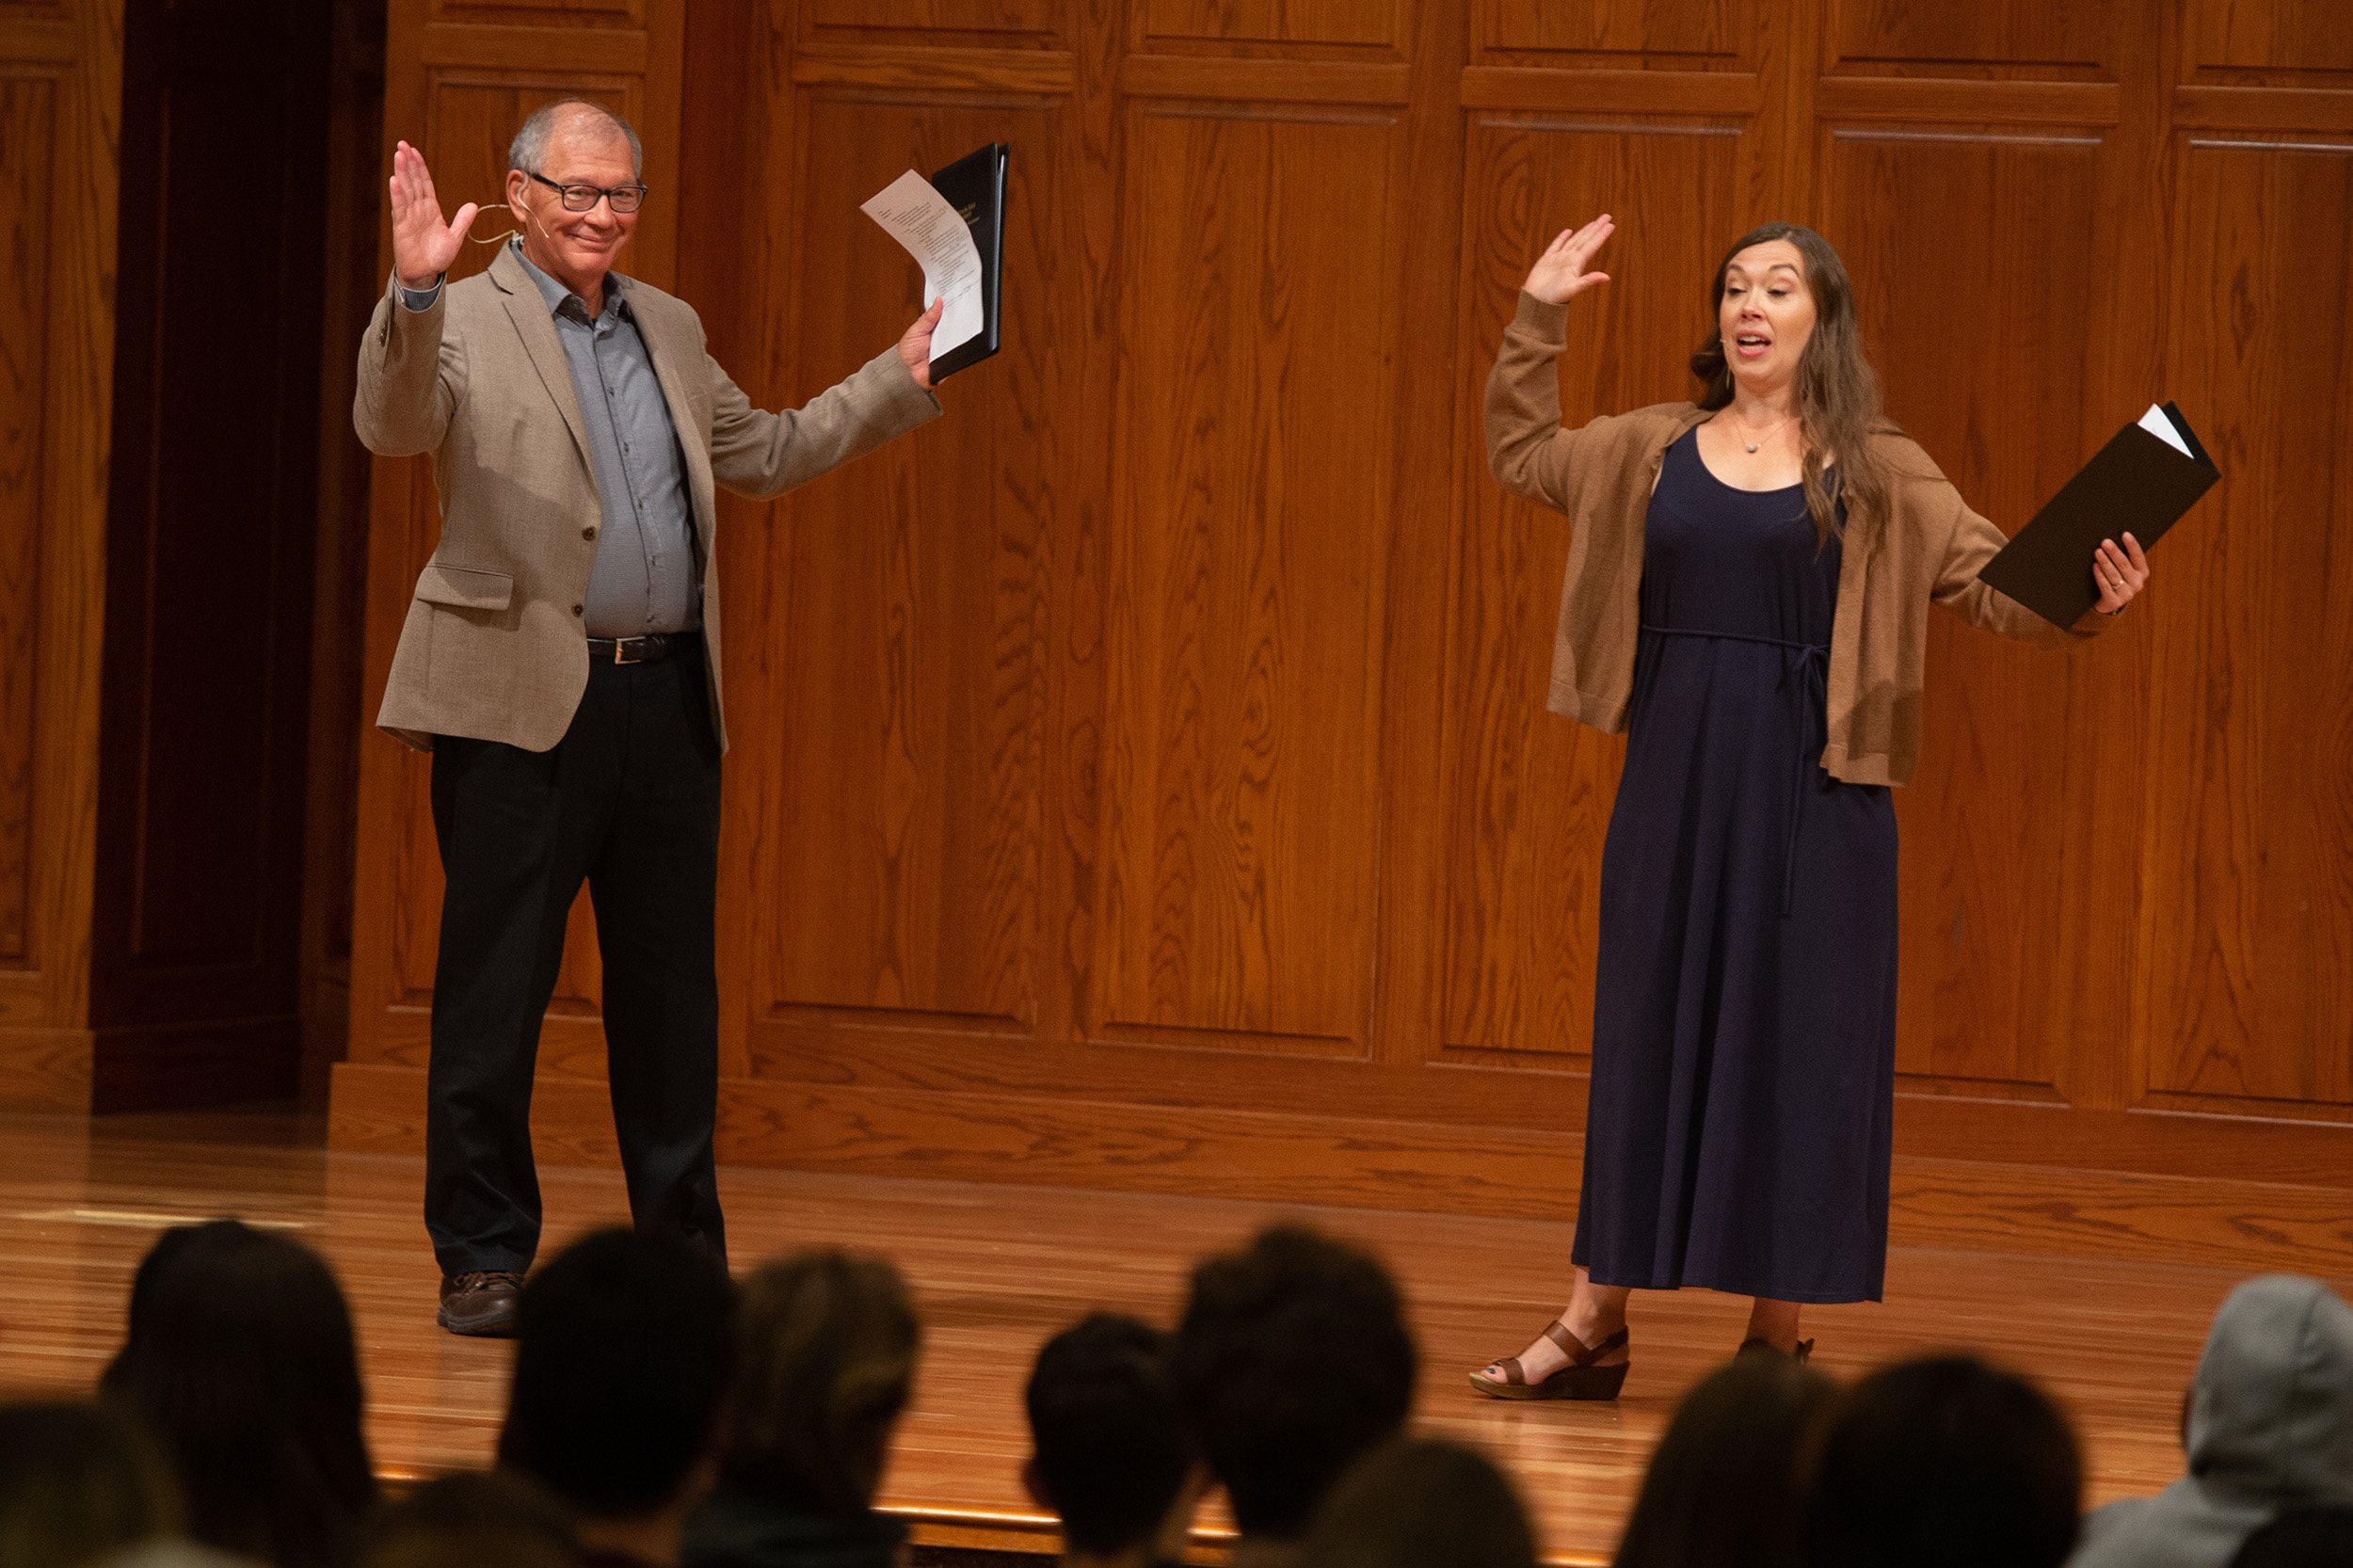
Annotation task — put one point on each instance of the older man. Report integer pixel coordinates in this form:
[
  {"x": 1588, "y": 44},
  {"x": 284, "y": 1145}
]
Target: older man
[{"x": 561, "y": 661}]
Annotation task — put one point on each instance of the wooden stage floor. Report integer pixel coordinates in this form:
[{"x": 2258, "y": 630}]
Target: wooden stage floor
[{"x": 998, "y": 1269}]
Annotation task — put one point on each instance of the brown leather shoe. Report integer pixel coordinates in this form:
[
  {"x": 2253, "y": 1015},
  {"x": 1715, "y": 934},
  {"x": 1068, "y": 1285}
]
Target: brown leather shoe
[{"x": 480, "y": 1304}]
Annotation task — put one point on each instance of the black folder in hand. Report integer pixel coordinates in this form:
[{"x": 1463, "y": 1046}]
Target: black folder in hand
[
  {"x": 2139, "y": 483},
  {"x": 974, "y": 186}
]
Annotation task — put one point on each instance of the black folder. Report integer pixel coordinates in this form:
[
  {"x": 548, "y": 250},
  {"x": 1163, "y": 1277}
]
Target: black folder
[
  {"x": 974, "y": 186},
  {"x": 2139, "y": 482}
]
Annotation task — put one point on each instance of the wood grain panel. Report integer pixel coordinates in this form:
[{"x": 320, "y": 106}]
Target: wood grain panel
[
  {"x": 542, "y": 13},
  {"x": 1528, "y": 795},
  {"x": 1980, "y": 998},
  {"x": 897, "y": 612},
  {"x": 934, "y": 22},
  {"x": 2250, "y": 932},
  {"x": 1290, "y": 24},
  {"x": 28, "y": 110},
  {"x": 60, "y": 69},
  {"x": 1674, "y": 35},
  {"x": 1992, "y": 38},
  {"x": 2275, "y": 44},
  {"x": 1241, "y": 744}
]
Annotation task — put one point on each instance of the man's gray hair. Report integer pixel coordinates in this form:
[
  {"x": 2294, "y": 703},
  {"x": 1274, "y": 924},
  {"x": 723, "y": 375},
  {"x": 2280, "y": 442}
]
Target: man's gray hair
[{"x": 529, "y": 146}]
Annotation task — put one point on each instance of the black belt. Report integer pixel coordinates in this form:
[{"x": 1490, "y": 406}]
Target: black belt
[
  {"x": 1811, "y": 665},
  {"x": 649, "y": 649}
]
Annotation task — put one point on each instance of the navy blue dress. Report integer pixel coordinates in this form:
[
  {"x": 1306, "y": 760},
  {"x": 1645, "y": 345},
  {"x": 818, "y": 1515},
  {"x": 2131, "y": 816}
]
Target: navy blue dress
[{"x": 1744, "y": 1008}]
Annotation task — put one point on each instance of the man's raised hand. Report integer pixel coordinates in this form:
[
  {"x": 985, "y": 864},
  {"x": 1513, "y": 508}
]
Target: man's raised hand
[
  {"x": 423, "y": 244},
  {"x": 1560, "y": 274}
]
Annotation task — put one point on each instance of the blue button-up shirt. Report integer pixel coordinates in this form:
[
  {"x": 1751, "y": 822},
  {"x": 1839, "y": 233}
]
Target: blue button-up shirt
[{"x": 645, "y": 577}]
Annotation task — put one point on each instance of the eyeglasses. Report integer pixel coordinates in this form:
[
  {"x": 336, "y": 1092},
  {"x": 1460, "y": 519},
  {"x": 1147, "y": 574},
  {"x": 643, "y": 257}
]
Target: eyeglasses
[{"x": 581, "y": 198}]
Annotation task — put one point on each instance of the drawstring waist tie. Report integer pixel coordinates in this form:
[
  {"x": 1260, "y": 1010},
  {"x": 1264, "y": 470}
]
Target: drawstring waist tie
[{"x": 1810, "y": 664}]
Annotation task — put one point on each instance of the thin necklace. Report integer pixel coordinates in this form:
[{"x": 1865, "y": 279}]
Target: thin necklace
[{"x": 1770, "y": 433}]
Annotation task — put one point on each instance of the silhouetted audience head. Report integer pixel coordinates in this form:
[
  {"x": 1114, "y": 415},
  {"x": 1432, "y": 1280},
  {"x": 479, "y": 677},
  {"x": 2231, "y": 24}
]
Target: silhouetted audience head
[
  {"x": 622, "y": 1348},
  {"x": 1113, "y": 1460},
  {"x": 1422, "y": 1503},
  {"x": 78, "y": 1483},
  {"x": 1944, "y": 1463},
  {"x": 2267, "y": 1424},
  {"x": 1292, "y": 1361},
  {"x": 1722, "y": 1490},
  {"x": 2311, "y": 1536},
  {"x": 826, "y": 1348},
  {"x": 239, "y": 1361},
  {"x": 471, "y": 1520}
]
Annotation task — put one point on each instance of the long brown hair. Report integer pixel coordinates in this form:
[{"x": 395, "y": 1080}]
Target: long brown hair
[{"x": 1838, "y": 391}]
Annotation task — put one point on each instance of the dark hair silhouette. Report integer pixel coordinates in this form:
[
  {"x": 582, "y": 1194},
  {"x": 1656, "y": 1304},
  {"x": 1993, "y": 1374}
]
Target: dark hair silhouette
[
  {"x": 1422, "y": 1503},
  {"x": 1722, "y": 1490},
  {"x": 1292, "y": 1362},
  {"x": 1112, "y": 1453},
  {"x": 825, "y": 1346},
  {"x": 2310, "y": 1535},
  {"x": 466, "y": 1520},
  {"x": 1837, "y": 390},
  {"x": 623, "y": 1350},
  {"x": 1944, "y": 1463},
  {"x": 77, "y": 1482},
  {"x": 240, "y": 1362}
]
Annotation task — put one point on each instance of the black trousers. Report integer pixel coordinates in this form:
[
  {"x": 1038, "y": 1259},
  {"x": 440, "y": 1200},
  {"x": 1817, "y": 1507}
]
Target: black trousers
[{"x": 629, "y": 800}]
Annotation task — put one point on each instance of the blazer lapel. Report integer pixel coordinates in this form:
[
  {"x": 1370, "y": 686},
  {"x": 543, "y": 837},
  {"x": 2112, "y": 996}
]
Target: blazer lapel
[
  {"x": 667, "y": 348},
  {"x": 529, "y": 312}
]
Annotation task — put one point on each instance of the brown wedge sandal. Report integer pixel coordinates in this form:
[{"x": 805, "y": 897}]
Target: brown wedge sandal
[{"x": 1580, "y": 1380}]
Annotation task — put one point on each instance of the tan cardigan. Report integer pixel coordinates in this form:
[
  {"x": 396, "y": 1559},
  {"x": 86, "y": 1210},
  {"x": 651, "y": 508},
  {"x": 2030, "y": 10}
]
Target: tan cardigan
[{"x": 1930, "y": 548}]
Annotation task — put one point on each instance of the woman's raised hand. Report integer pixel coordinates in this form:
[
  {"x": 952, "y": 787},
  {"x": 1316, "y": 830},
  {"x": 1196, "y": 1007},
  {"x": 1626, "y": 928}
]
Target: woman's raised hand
[
  {"x": 2120, "y": 574},
  {"x": 423, "y": 244},
  {"x": 1560, "y": 274}
]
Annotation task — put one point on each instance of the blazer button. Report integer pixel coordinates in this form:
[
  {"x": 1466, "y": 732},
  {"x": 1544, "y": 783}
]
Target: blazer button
[
  {"x": 576, "y": 609},
  {"x": 588, "y": 532}
]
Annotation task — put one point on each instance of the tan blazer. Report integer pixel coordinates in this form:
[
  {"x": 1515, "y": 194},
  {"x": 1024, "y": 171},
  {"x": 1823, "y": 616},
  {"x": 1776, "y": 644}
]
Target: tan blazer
[{"x": 494, "y": 645}]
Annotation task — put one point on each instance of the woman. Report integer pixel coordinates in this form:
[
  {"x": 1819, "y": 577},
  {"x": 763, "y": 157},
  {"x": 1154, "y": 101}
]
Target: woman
[
  {"x": 825, "y": 1359},
  {"x": 1748, "y": 581},
  {"x": 240, "y": 1361}
]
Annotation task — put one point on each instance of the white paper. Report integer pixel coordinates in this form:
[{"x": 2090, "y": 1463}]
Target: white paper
[
  {"x": 920, "y": 218},
  {"x": 2156, "y": 424}
]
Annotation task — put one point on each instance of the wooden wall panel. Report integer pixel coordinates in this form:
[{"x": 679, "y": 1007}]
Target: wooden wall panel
[
  {"x": 1989, "y": 375},
  {"x": 2306, "y": 43},
  {"x": 931, "y": 22},
  {"x": 898, "y": 611},
  {"x": 1996, "y": 38},
  {"x": 1240, "y": 746},
  {"x": 2251, "y": 963},
  {"x": 1531, "y": 795},
  {"x": 1710, "y": 35},
  {"x": 28, "y": 115},
  {"x": 60, "y": 83},
  {"x": 1361, "y": 23}
]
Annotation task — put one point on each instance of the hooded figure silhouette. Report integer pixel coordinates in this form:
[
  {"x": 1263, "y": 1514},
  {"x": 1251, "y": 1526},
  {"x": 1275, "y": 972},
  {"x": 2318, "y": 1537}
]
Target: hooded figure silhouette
[{"x": 2270, "y": 1425}]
